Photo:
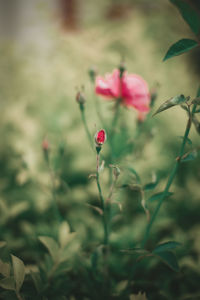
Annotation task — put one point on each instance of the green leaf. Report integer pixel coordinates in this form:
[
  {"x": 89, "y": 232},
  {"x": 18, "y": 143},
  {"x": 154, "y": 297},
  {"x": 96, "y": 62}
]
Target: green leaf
[
  {"x": 177, "y": 100},
  {"x": 168, "y": 258},
  {"x": 19, "y": 271},
  {"x": 36, "y": 279},
  {"x": 189, "y": 14},
  {"x": 64, "y": 232},
  {"x": 196, "y": 101},
  {"x": 51, "y": 246},
  {"x": 166, "y": 246},
  {"x": 135, "y": 250},
  {"x": 150, "y": 186},
  {"x": 133, "y": 171},
  {"x": 4, "y": 268},
  {"x": 198, "y": 92},
  {"x": 157, "y": 196},
  {"x": 8, "y": 283},
  {"x": 180, "y": 47},
  {"x": 189, "y": 156},
  {"x": 2, "y": 244}
]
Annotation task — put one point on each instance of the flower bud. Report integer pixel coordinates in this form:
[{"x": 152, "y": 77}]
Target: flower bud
[
  {"x": 122, "y": 68},
  {"x": 100, "y": 137},
  {"x": 45, "y": 148},
  {"x": 45, "y": 145},
  {"x": 92, "y": 73},
  {"x": 80, "y": 98}
]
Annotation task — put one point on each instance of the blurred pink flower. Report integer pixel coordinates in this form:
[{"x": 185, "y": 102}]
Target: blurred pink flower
[{"x": 131, "y": 88}]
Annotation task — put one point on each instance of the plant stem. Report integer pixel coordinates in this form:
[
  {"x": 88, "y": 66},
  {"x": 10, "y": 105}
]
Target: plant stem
[
  {"x": 102, "y": 203},
  {"x": 82, "y": 109},
  {"x": 171, "y": 178},
  {"x": 58, "y": 215}
]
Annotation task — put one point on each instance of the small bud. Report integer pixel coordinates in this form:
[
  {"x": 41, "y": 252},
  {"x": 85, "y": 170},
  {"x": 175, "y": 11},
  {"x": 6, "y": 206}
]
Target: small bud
[
  {"x": 80, "y": 98},
  {"x": 45, "y": 145},
  {"x": 100, "y": 138},
  {"x": 122, "y": 68},
  {"x": 92, "y": 73},
  {"x": 45, "y": 148},
  {"x": 116, "y": 171}
]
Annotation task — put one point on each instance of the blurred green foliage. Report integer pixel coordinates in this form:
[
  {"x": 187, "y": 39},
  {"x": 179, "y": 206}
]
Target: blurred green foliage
[{"x": 66, "y": 259}]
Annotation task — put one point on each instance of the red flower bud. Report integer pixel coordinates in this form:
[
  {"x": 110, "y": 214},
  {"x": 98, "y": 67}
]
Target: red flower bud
[{"x": 100, "y": 137}]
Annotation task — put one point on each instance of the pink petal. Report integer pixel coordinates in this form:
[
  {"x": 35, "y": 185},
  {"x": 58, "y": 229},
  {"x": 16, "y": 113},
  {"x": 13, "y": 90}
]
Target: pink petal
[
  {"x": 135, "y": 92},
  {"x": 108, "y": 87}
]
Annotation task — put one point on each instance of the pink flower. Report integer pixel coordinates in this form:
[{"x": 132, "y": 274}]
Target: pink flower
[
  {"x": 100, "y": 137},
  {"x": 131, "y": 88}
]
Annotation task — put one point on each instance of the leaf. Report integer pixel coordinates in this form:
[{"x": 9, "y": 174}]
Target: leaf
[
  {"x": 189, "y": 156},
  {"x": 198, "y": 92},
  {"x": 19, "y": 271},
  {"x": 189, "y": 14},
  {"x": 2, "y": 244},
  {"x": 135, "y": 250},
  {"x": 139, "y": 296},
  {"x": 8, "y": 283},
  {"x": 133, "y": 171},
  {"x": 180, "y": 47},
  {"x": 166, "y": 246},
  {"x": 157, "y": 196},
  {"x": 150, "y": 186},
  {"x": 51, "y": 246},
  {"x": 4, "y": 268},
  {"x": 64, "y": 231},
  {"x": 196, "y": 101},
  {"x": 177, "y": 100},
  {"x": 169, "y": 258},
  {"x": 36, "y": 279}
]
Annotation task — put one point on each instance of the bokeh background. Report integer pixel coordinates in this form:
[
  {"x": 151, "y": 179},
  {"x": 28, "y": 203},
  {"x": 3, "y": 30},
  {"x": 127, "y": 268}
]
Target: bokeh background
[{"x": 46, "y": 50}]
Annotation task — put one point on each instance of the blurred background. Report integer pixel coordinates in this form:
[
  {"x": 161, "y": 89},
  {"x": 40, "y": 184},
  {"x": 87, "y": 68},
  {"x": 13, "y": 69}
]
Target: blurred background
[{"x": 46, "y": 50}]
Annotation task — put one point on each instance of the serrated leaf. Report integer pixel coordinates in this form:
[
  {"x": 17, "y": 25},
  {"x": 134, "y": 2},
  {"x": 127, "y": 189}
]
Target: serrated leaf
[
  {"x": 8, "y": 283},
  {"x": 19, "y": 271},
  {"x": 166, "y": 246},
  {"x": 51, "y": 246},
  {"x": 180, "y": 47},
  {"x": 189, "y": 14},
  {"x": 4, "y": 269},
  {"x": 189, "y": 156},
  {"x": 177, "y": 100},
  {"x": 157, "y": 196},
  {"x": 64, "y": 231},
  {"x": 168, "y": 258}
]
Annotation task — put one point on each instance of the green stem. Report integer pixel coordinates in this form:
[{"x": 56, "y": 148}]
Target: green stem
[
  {"x": 82, "y": 109},
  {"x": 170, "y": 180},
  {"x": 58, "y": 215},
  {"x": 102, "y": 203}
]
